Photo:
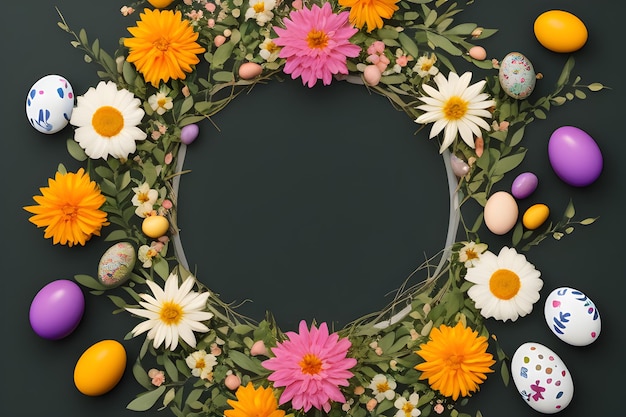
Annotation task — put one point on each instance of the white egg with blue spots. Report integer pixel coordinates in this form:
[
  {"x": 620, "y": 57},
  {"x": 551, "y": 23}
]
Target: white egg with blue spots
[
  {"x": 541, "y": 378},
  {"x": 49, "y": 104},
  {"x": 572, "y": 316},
  {"x": 517, "y": 76}
]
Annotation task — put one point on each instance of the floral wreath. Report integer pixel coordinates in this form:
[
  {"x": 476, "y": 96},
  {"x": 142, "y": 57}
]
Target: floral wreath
[{"x": 183, "y": 62}]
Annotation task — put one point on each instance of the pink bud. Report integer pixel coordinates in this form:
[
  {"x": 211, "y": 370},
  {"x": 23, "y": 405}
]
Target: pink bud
[
  {"x": 372, "y": 75},
  {"x": 232, "y": 382},
  {"x": 219, "y": 40},
  {"x": 258, "y": 348}
]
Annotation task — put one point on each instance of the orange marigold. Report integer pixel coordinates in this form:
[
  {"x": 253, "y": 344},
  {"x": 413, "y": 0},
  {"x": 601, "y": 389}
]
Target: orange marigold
[
  {"x": 163, "y": 46},
  {"x": 370, "y": 12},
  {"x": 456, "y": 360},
  {"x": 69, "y": 209}
]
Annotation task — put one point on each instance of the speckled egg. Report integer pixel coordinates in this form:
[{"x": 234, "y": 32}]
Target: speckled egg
[
  {"x": 49, "y": 104},
  {"x": 541, "y": 378},
  {"x": 100, "y": 368},
  {"x": 535, "y": 216},
  {"x": 57, "y": 309},
  {"x": 560, "y": 31},
  {"x": 572, "y": 316},
  {"x": 116, "y": 264},
  {"x": 500, "y": 212},
  {"x": 517, "y": 76}
]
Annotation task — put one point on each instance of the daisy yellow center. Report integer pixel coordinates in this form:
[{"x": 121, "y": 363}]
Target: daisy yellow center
[
  {"x": 455, "y": 108},
  {"x": 504, "y": 284},
  {"x": 317, "y": 39},
  {"x": 107, "y": 121},
  {"x": 259, "y": 7},
  {"x": 310, "y": 364},
  {"x": 171, "y": 313}
]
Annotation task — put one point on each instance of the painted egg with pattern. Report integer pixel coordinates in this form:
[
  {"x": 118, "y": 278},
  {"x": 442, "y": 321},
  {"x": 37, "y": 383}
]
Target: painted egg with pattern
[
  {"x": 560, "y": 31},
  {"x": 572, "y": 316},
  {"x": 517, "y": 75},
  {"x": 100, "y": 368},
  {"x": 116, "y": 264},
  {"x": 541, "y": 378},
  {"x": 49, "y": 104}
]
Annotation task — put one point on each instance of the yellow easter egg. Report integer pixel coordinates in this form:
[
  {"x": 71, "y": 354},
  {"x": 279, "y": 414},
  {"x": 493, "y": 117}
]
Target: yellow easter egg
[
  {"x": 155, "y": 226},
  {"x": 160, "y": 4},
  {"x": 100, "y": 368},
  {"x": 535, "y": 216},
  {"x": 560, "y": 31}
]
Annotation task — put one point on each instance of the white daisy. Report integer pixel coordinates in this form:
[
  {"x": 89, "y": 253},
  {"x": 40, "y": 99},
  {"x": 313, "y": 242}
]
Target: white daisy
[
  {"x": 383, "y": 387},
  {"x": 407, "y": 408},
  {"x": 172, "y": 312},
  {"x": 106, "y": 120},
  {"x": 470, "y": 253},
  {"x": 457, "y": 107},
  {"x": 201, "y": 364},
  {"x": 506, "y": 285}
]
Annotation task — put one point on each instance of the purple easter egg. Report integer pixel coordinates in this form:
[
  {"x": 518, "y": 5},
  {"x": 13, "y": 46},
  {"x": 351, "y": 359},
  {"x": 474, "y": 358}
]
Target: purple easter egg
[
  {"x": 524, "y": 185},
  {"x": 574, "y": 156},
  {"x": 57, "y": 309},
  {"x": 189, "y": 133}
]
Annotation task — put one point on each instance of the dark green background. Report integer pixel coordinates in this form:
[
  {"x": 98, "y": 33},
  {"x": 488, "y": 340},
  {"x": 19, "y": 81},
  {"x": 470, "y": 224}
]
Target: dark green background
[{"x": 314, "y": 204}]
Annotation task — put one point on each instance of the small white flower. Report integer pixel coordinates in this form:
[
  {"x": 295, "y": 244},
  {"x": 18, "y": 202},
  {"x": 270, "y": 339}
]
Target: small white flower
[
  {"x": 425, "y": 66},
  {"x": 144, "y": 194},
  {"x": 261, "y": 11},
  {"x": 160, "y": 102},
  {"x": 201, "y": 363},
  {"x": 145, "y": 254},
  {"x": 456, "y": 107},
  {"x": 269, "y": 50},
  {"x": 382, "y": 387},
  {"x": 172, "y": 312},
  {"x": 470, "y": 253},
  {"x": 407, "y": 408},
  {"x": 506, "y": 285}
]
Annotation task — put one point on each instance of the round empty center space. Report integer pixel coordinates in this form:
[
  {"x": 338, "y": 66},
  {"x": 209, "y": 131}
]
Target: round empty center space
[{"x": 312, "y": 204}]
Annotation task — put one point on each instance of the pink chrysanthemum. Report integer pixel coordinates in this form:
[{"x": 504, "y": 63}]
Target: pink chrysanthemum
[
  {"x": 316, "y": 44},
  {"x": 311, "y": 365}
]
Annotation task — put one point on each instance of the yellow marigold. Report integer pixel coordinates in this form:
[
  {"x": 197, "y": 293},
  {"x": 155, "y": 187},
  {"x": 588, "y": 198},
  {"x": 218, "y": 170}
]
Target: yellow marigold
[
  {"x": 371, "y": 12},
  {"x": 163, "y": 46},
  {"x": 456, "y": 360},
  {"x": 252, "y": 402},
  {"x": 69, "y": 208}
]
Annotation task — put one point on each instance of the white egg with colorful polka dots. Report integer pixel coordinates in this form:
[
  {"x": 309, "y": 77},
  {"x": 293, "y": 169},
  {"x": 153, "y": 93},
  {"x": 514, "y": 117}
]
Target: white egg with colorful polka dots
[
  {"x": 49, "y": 104},
  {"x": 541, "y": 378}
]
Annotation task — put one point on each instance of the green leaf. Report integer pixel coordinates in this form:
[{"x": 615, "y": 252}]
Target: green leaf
[
  {"x": 89, "y": 282},
  {"x": 161, "y": 267},
  {"x": 517, "y": 137},
  {"x": 565, "y": 73},
  {"x": 222, "y": 54},
  {"x": 595, "y": 86},
  {"x": 570, "y": 212},
  {"x": 508, "y": 163},
  {"x": 75, "y": 150},
  {"x": 247, "y": 363},
  {"x": 430, "y": 19},
  {"x": 224, "y": 76},
  {"x": 141, "y": 375},
  {"x": 517, "y": 234},
  {"x": 588, "y": 221},
  {"x": 115, "y": 235},
  {"x": 504, "y": 373},
  {"x": 186, "y": 105},
  {"x": 408, "y": 45},
  {"x": 146, "y": 400},
  {"x": 462, "y": 29}
]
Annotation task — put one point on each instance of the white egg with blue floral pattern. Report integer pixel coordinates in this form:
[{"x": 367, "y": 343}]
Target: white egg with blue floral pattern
[
  {"x": 572, "y": 316},
  {"x": 517, "y": 76},
  {"x": 49, "y": 104},
  {"x": 541, "y": 378}
]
